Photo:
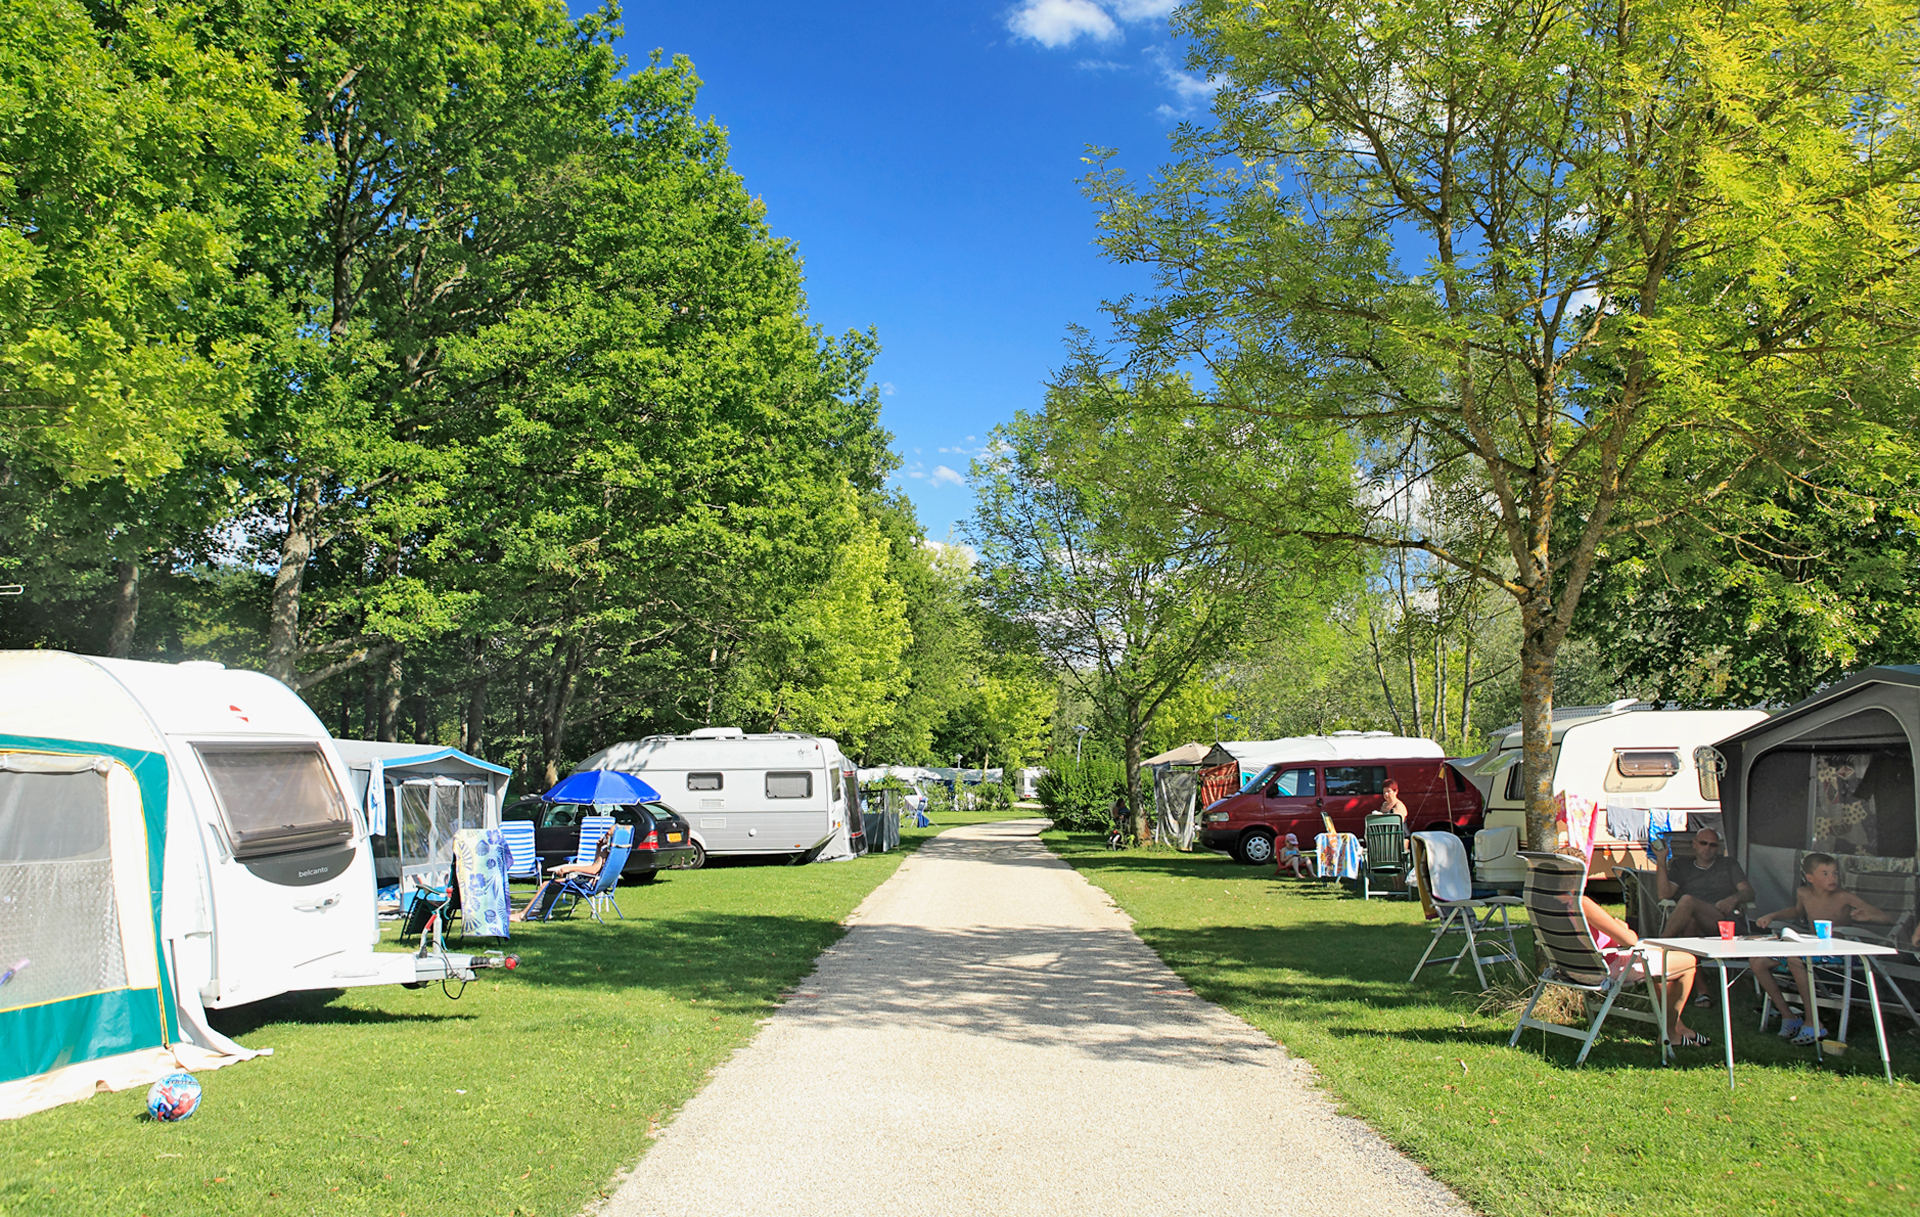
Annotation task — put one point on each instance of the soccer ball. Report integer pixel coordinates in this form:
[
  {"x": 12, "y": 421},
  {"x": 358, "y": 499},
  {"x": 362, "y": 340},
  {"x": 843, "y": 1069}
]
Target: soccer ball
[{"x": 174, "y": 1098}]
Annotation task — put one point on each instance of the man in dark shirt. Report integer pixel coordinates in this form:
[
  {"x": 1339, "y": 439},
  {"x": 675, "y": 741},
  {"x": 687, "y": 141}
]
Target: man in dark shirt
[{"x": 1707, "y": 889}]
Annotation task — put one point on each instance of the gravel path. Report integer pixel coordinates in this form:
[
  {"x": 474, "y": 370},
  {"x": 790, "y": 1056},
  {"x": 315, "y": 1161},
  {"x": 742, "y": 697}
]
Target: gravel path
[{"x": 992, "y": 1038}]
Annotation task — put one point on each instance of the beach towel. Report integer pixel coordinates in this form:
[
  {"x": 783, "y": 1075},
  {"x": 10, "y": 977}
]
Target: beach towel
[{"x": 481, "y": 859}]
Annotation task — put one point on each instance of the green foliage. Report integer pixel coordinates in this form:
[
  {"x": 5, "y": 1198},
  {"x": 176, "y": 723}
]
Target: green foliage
[
  {"x": 1576, "y": 268},
  {"x": 142, "y": 166},
  {"x": 1079, "y": 795},
  {"x": 992, "y": 796}
]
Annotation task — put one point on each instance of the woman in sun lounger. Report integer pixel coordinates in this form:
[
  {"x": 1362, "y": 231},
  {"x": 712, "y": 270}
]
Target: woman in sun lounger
[{"x": 549, "y": 890}]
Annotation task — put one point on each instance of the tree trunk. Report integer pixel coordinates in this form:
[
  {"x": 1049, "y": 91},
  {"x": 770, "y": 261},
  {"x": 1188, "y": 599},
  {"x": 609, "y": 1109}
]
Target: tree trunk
[
  {"x": 1466, "y": 691},
  {"x": 126, "y": 607},
  {"x": 1538, "y": 649},
  {"x": 1136, "y": 810},
  {"x": 283, "y": 614},
  {"x": 471, "y": 732},
  {"x": 1439, "y": 689},
  {"x": 553, "y": 724},
  {"x": 1380, "y": 670},
  {"x": 390, "y": 696}
]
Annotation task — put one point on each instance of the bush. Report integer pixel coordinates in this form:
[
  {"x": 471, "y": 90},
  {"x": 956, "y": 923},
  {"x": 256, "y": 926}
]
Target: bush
[
  {"x": 1079, "y": 795},
  {"x": 992, "y": 796}
]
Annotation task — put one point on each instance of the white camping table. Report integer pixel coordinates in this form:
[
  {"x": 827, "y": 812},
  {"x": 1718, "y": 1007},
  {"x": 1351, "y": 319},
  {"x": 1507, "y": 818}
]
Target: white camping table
[{"x": 1719, "y": 950}]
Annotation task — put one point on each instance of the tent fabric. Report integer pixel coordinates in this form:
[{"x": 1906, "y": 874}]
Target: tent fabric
[
  {"x": 1175, "y": 815},
  {"x": 1185, "y": 754},
  {"x": 124, "y": 1071},
  {"x": 359, "y": 753}
]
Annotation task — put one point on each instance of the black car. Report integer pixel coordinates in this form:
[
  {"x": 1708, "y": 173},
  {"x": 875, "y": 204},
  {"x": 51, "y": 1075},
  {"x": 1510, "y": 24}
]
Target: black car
[{"x": 661, "y": 840}]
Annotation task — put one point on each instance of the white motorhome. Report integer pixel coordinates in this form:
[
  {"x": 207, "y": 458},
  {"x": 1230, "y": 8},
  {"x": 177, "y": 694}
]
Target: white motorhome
[
  {"x": 267, "y": 885},
  {"x": 1626, "y": 757},
  {"x": 744, "y": 794}
]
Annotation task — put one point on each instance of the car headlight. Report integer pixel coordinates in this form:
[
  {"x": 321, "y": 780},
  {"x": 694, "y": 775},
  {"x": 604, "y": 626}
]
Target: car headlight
[{"x": 1217, "y": 817}]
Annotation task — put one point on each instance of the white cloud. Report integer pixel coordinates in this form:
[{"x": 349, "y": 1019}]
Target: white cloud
[
  {"x": 1058, "y": 23},
  {"x": 966, "y": 551},
  {"x": 886, "y": 388},
  {"x": 943, "y": 476},
  {"x": 1190, "y": 92},
  {"x": 1142, "y": 10}
]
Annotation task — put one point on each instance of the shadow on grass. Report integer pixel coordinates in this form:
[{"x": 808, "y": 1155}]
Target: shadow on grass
[{"x": 316, "y": 1007}]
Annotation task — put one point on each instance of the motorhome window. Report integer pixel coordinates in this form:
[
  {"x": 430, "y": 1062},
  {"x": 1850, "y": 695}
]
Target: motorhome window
[
  {"x": 790, "y": 785},
  {"x": 277, "y": 799},
  {"x": 706, "y": 781},
  {"x": 1513, "y": 784},
  {"x": 57, "y": 870},
  {"x": 1292, "y": 783},
  {"x": 1356, "y": 779}
]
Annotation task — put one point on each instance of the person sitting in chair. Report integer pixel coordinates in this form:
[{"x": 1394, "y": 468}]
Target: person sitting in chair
[
  {"x": 1613, "y": 937},
  {"x": 1707, "y": 890},
  {"x": 1820, "y": 898},
  {"x": 1289, "y": 855},
  {"x": 549, "y": 889}
]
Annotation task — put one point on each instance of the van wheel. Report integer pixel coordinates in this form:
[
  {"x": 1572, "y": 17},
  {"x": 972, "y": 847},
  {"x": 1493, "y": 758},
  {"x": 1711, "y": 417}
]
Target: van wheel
[{"x": 1255, "y": 849}]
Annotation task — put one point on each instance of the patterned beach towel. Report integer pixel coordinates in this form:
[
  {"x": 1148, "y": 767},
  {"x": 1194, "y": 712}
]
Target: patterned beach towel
[{"x": 481, "y": 859}]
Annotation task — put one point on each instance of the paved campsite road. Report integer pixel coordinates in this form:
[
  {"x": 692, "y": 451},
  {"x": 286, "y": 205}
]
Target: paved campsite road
[{"x": 992, "y": 1038}]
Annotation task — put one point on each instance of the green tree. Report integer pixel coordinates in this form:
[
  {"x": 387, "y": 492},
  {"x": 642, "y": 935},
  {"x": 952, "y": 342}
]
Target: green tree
[
  {"x": 1593, "y": 261},
  {"x": 140, "y": 164},
  {"x": 1089, "y": 558}
]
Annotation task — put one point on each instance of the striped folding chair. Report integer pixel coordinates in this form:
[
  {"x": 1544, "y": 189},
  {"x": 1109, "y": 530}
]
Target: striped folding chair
[
  {"x": 1554, "y": 885},
  {"x": 524, "y": 860},
  {"x": 591, "y": 828}
]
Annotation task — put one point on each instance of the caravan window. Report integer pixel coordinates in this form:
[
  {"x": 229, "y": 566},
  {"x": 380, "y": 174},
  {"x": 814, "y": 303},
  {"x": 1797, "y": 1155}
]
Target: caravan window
[
  {"x": 276, "y": 798},
  {"x": 706, "y": 781},
  {"x": 56, "y": 874},
  {"x": 1640, "y": 770},
  {"x": 790, "y": 785}
]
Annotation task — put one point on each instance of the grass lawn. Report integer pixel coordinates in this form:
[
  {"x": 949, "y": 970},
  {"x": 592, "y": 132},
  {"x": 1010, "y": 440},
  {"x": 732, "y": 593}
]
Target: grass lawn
[
  {"x": 525, "y": 1096},
  {"x": 1518, "y": 1131}
]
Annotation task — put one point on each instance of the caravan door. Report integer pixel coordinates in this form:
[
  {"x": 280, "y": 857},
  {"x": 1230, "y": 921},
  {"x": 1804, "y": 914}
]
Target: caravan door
[{"x": 285, "y": 858}]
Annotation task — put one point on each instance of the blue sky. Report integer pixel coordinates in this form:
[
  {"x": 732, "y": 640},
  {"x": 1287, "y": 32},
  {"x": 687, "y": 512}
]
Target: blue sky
[{"x": 925, "y": 158}]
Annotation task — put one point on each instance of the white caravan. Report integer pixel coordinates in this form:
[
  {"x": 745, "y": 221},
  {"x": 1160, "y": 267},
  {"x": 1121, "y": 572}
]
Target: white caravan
[
  {"x": 749, "y": 794},
  {"x": 1630, "y": 759},
  {"x": 267, "y": 885}
]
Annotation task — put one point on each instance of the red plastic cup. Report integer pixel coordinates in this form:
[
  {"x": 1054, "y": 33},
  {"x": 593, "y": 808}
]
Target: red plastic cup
[{"x": 1726, "y": 930}]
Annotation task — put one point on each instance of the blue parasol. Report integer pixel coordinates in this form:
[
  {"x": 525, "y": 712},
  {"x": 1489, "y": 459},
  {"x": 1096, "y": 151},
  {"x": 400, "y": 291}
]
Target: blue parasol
[{"x": 602, "y": 786}]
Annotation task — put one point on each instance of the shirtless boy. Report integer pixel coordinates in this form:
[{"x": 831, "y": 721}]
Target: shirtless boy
[{"x": 1820, "y": 898}]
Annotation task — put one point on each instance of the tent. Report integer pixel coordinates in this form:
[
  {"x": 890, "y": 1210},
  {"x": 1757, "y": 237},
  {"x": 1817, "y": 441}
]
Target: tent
[
  {"x": 173, "y": 837},
  {"x": 426, "y": 793},
  {"x": 1833, "y": 774},
  {"x": 1177, "y": 780}
]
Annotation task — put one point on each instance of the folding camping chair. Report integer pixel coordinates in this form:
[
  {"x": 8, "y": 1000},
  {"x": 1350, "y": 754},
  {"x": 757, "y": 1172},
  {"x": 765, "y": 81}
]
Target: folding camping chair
[
  {"x": 1554, "y": 885},
  {"x": 1385, "y": 870},
  {"x": 431, "y": 908},
  {"x": 525, "y": 858},
  {"x": 597, "y": 890},
  {"x": 1446, "y": 892},
  {"x": 591, "y": 827}
]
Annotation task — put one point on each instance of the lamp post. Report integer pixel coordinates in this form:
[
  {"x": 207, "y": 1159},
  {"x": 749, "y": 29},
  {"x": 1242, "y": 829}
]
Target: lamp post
[{"x": 1082, "y": 729}]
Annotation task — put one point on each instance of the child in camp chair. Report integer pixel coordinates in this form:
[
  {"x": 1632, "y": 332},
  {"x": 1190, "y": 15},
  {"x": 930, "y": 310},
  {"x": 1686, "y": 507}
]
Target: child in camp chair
[
  {"x": 541, "y": 905},
  {"x": 1289, "y": 855},
  {"x": 1820, "y": 898}
]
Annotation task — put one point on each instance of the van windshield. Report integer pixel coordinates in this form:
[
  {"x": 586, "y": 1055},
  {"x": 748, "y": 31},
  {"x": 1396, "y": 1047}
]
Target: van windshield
[{"x": 276, "y": 799}]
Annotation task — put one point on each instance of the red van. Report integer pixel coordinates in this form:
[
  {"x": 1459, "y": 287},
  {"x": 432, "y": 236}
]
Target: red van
[{"x": 1290, "y": 797}]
